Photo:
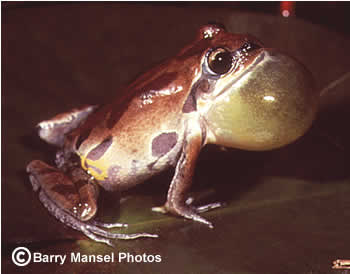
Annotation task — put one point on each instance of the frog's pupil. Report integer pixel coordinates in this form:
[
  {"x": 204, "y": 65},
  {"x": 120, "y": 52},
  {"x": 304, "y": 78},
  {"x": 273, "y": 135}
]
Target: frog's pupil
[{"x": 221, "y": 63}]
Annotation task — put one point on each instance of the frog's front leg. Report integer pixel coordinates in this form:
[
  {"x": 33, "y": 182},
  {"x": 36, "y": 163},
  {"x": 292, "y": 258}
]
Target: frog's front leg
[
  {"x": 72, "y": 199},
  {"x": 178, "y": 202}
]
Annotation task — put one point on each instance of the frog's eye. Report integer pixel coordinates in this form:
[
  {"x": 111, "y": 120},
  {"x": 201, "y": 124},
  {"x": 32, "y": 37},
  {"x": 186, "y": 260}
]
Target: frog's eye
[{"x": 219, "y": 61}]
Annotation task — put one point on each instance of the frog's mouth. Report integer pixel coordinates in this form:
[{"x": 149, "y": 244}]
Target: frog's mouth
[{"x": 269, "y": 103}]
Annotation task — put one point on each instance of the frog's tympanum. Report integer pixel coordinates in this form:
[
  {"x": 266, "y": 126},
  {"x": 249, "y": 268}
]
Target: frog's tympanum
[{"x": 223, "y": 88}]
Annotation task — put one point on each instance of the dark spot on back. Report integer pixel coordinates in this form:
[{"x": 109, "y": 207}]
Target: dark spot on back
[
  {"x": 201, "y": 86},
  {"x": 98, "y": 151},
  {"x": 190, "y": 104},
  {"x": 160, "y": 82},
  {"x": 163, "y": 143}
]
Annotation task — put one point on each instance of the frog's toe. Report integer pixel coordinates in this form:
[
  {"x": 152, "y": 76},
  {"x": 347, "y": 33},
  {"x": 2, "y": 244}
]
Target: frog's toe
[
  {"x": 160, "y": 209},
  {"x": 197, "y": 218},
  {"x": 193, "y": 215},
  {"x": 91, "y": 228},
  {"x": 107, "y": 225},
  {"x": 204, "y": 208},
  {"x": 102, "y": 236},
  {"x": 96, "y": 231},
  {"x": 71, "y": 209},
  {"x": 188, "y": 211}
]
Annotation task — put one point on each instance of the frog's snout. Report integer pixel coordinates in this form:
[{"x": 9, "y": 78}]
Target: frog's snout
[{"x": 270, "y": 104}]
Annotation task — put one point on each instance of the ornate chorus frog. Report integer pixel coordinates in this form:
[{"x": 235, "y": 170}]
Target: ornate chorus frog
[{"x": 223, "y": 88}]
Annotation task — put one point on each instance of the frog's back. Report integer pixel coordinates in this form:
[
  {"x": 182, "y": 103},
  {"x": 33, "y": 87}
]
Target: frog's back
[{"x": 135, "y": 136}]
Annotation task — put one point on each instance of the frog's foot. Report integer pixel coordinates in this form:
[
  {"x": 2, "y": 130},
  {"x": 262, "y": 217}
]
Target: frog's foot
[
  {"x": 204, "y": 208},
  {"x": 92, "y": 229},
  {"x": 73, "y": 207},
  {"x": 188, "y": 211}
]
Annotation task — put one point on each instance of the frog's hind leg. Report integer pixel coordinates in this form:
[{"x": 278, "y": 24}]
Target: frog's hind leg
[
  {"x": 54, "y": 130},
  {"x": 73, "y": 201},
  {"x": 78, "y": 197}
]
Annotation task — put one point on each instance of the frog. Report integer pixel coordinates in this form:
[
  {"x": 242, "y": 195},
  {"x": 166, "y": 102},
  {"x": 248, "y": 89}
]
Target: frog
[{"x": 222, "y": 88}]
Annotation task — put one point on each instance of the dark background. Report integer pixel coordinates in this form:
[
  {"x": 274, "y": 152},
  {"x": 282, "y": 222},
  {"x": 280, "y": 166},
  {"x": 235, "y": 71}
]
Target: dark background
[
  {"x": 287, "y": 210},
  {"x": 331, "y": 14}
]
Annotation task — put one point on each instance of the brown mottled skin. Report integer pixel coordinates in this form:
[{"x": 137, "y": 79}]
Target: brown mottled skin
[{"x": 160, "y": 122}]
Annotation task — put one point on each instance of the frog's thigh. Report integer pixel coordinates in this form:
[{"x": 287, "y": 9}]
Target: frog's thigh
[
  {"x": 78, "y": 197},
  {"x": 54, "y": 130}
]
